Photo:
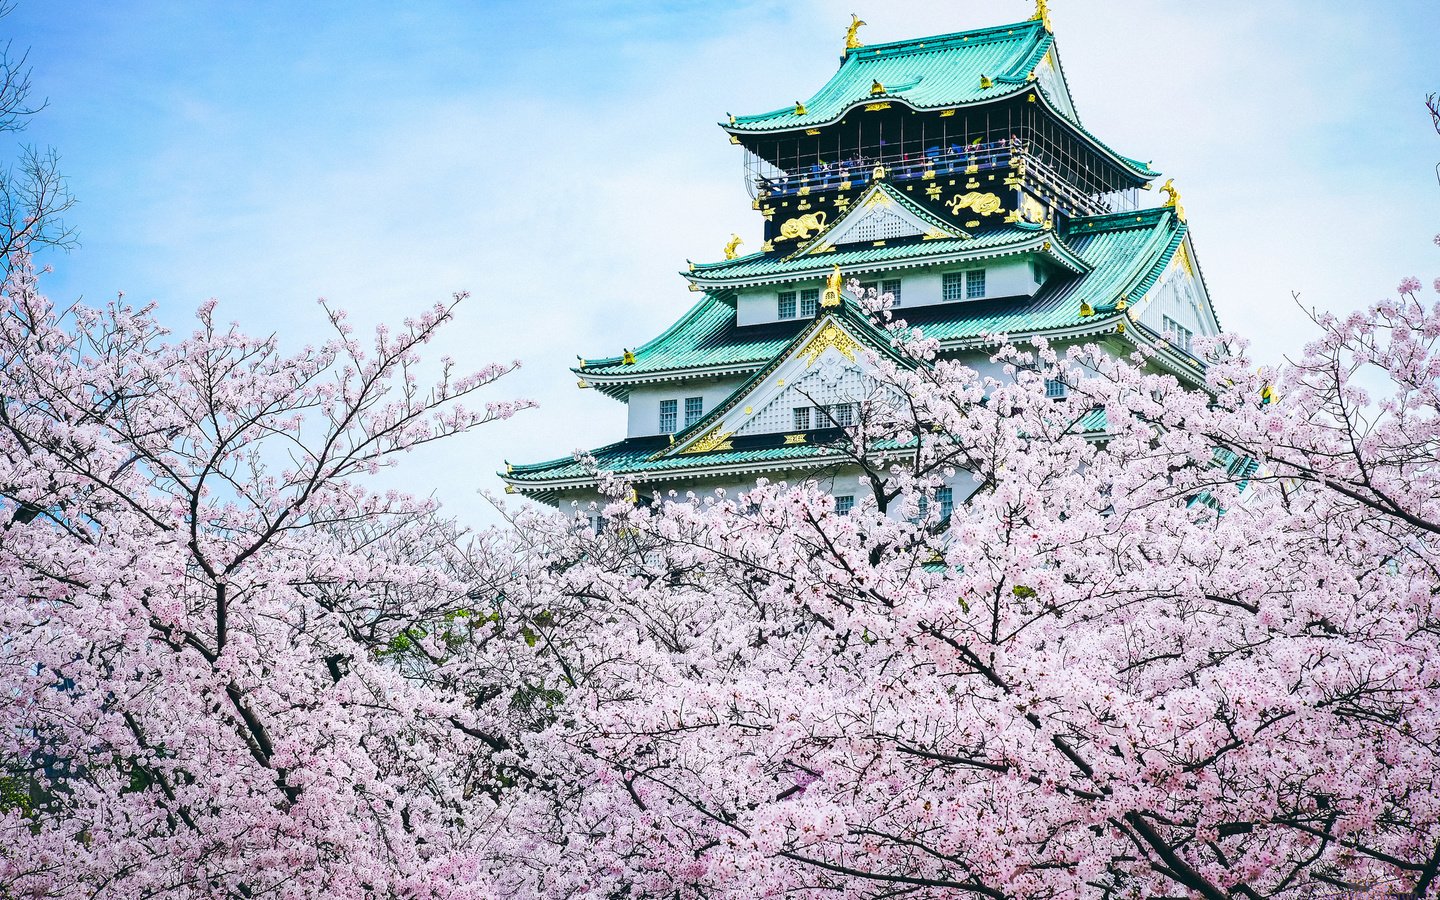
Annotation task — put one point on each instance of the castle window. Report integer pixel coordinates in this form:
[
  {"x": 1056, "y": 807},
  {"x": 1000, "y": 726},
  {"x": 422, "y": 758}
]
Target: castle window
[
  {"x": 809, "y": 302},
  {"x": 944, "y": 496},
  {"x": 975, "y": 284},
  {"x": 1182, "y": 335},
  {"x": 693, "y": 408},
  {"x": 963, "y": 285},
  {"x": 1055, "y": 389},
  {"x": 889, "y": 286},
  {"x": 844, "y": 504},
  {"x": 802, "y": 418},
  {"x": 668, "y": 417},
  {"x": 787, "y": 304},
  {"x": 839, "y": 415}
]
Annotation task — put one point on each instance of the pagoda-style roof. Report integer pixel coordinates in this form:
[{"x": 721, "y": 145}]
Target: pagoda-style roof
[
  {"x": 640, "y": 459},
  {"x": 1123, "y": 254},
  {"x": 1018, "y": 238},
  {"x": 938, "y": 73}
]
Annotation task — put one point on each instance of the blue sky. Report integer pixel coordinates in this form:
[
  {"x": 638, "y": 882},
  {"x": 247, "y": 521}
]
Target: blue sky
[{"x": 560, "y": 161}]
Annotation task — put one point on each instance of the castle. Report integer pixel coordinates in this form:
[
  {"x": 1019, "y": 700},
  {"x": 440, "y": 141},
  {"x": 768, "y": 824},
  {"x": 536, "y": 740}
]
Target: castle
[{"x": 949, "y": 172}]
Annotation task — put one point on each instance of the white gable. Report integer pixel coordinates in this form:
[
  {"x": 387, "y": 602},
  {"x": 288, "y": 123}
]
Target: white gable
[
  {"x": 877, "y": 217},
  {"x": 831, "y": 380},
  {"x": 1048, "y": 74},
  {"x": 1179, "y": 296},
  {"x": 829, "y": 368}
]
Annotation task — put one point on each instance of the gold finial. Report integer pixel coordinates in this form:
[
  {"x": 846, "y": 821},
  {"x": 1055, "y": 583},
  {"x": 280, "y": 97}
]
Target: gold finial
[
  {"x": 1042, "y": 14},
  {"x": 1086, "y": 310},
  {"x": 800, "y": 109},
  {"x": 833, "y": 285},
  {"x": 629, "y": 357},
  {"x": 582, "y": 360},
  {"x": 731, "y": 116},
  {"x": 876, "y": 88},
  {"x": 732, "y": 246},
  {"x": 985, "y": 81},
  {"x": 1121, "y": 304},
  {"x": 878, "y": 174},
  {"x": 1172, "y": 198},
  {"x": 509, "y": 469},
  {"x": 852, "y": 41}
]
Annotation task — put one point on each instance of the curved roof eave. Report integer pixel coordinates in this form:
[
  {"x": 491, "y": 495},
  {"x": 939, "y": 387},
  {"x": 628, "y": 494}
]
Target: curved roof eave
[
  {"x": 1047, "y": 242},
  {"x": 1139, "y": 170}
]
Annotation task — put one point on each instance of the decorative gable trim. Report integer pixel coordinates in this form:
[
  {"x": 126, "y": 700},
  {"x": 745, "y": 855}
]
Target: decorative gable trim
[
  {"x": 881, "y": 213},
  {"x": 830, "y": 331}
]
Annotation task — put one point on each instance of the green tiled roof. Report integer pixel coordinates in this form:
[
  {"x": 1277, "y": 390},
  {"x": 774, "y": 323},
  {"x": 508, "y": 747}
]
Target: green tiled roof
[
  {"x": 705, "y": 336},
  {"x": 643, "y": 458},
  {"x": 1009, "y": 238},
  {"x": 926, "y": 73},
  {"x": 1128, "y": 251},
  {"x": 936, "y": 72},
  {"x": 1125, "y": 253},
  {"x": 640, "y": 457}
]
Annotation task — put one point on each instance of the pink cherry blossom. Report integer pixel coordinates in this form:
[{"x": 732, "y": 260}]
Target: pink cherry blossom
[{"x": 1190, "y": 651}]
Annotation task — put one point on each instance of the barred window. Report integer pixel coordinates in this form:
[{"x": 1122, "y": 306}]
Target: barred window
[
  {"x": 668, "y": 410},
  {"x": 946, "y": 498},
  {"x": 1055, "y": 389},
  {"x": 802, "y": 418},
  {"x": 787, "y": 304},
  {"x": 841, "y": 415},
  {"x": 844, "y": 504},
  {"x": 889, "y": 286},
  {"x": 693, "y": 408},
  {"x": 952, "y": 286},
  {"x": 1182, "y": 335},
  {"x": 974, "y": 284},
  {"x": 809, "y": 302}
]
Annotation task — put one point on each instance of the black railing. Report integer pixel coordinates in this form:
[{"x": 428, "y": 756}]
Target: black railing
[{"x": 934, "y": 162}]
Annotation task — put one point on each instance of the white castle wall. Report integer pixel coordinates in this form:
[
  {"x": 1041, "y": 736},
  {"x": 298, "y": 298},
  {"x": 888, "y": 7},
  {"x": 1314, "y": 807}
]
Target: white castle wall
[{"x": 1011, "y": 277}]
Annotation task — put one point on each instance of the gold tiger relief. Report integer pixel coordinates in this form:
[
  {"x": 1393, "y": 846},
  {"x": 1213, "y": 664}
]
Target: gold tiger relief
[
  {"x": 801, "y": 226},
  {"x": 983, "y": 204}
]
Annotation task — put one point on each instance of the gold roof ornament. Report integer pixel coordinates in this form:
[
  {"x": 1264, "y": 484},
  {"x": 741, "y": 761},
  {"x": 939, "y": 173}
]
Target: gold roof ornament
[
  {"x": 800, "y": 109},
  {"x": 731, "y": 117},
  {"x": 878, "y": 174},
  {"x": 852, "y": 34},
  {"x": 1086, "y": 310},
  {"x": 833, "y": 285},
  {"x": 1172, "y": 198},
  {"x": 629, "y": 358},
  {"x": 1042, "y": 14},
  {"x": 876, "y": 88},
  {"x": 985, "y": 81},
  {"x": 732, "y": 246}
]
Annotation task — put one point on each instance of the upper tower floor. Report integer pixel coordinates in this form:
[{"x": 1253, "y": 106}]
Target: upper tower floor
[{"x": 982, "y": 122}]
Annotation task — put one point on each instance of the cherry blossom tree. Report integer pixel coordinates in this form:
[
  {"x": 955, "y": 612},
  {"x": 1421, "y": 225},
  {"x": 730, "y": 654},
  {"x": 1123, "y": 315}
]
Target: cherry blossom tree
[
  {"x": 1175, "y": 643},
  {"x": 224, "y": 667}
]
